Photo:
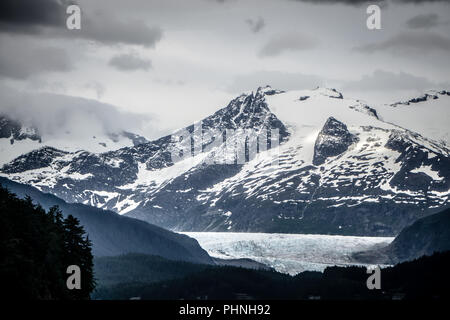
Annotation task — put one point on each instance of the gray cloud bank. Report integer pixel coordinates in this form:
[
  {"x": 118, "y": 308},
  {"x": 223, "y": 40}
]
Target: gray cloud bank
[
  {"x": 423, "y": 42},
  {"x": 130, "y": 62},
  {"x": 26, "y": 16},
  {"x": 48, "y": 18},
  {"x": 20, "y": 60},
  {"x": 108, "y": 30},
  {"x": 276, "y": 79},
  {"x": 55, "y": 115},
  {"x": 424, "y": 21},
  {"x": 381, "y": 80},
  {"x": 287, "y": 42}
]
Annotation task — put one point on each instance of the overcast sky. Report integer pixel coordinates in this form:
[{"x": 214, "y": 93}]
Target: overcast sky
[{"x": 175, "y": 62}]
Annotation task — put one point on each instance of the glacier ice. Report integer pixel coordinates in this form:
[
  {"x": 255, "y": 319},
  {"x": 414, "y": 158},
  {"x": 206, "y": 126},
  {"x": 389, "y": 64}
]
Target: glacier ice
[{"x": 287, "y": 253}]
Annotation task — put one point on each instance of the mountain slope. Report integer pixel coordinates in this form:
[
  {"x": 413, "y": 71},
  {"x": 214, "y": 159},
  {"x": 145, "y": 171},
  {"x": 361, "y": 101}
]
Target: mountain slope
[
  {"x": 17, "y": 139},
  {"x": 339, "y": 168},
  {"x": 427, "y": 114},
  {"x": 113, "y": 234},
  {"x": 424, "y": 237},
  {"x": 372, "y": 188}
]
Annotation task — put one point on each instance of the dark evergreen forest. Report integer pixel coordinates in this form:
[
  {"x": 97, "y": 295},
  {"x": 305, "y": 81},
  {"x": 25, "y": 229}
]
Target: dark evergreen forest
[{"x": 37, "y": 246}]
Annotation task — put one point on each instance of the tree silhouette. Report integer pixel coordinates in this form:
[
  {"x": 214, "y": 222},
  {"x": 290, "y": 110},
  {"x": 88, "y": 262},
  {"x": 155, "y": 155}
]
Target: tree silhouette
[
  {"x": 78, "y": 252},
  {"x": 36, "y": 247}
]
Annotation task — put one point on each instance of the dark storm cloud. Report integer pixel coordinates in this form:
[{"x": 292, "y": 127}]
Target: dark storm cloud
[
  {"x": 424, "y": 21},
  {"x": 276, "y": 79},
  {"x": 20, "y": 60},
  {"x": 423, "y": 42},
  {"x": 256, "y": 25},
  {"x": 381, "y": 80},
  {"x": 130, "y": 62},
  {"x": 108, "y": 30},
  {"x": 25, "y": 15},
  {"x": 287, "y": 42},
  {"x": 48, "y": 19}
]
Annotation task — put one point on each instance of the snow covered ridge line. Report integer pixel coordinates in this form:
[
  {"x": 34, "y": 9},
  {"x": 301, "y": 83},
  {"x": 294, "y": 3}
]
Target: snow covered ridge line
[
  {"x": 431, "y": 95},
  {"x": 343, "y": 168},
  {"x": 228, "y": 146}
]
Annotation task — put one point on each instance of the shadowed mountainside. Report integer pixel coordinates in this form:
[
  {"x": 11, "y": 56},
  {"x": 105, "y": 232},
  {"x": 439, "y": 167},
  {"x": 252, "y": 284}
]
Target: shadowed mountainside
[
  {"x": 113, "y": 234},
  {"x": 424, "y": 237}
]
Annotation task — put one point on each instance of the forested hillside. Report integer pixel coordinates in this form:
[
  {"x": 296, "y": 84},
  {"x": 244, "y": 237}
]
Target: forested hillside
[{"x": 37, "y": 246}]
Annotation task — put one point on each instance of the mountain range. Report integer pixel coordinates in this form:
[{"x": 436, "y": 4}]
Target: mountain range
[{"x": 340, "y": 166}]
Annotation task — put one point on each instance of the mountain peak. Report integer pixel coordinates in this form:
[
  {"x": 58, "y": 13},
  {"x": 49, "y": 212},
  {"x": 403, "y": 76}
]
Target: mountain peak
[
  {"x": 329, "y": 92},
  {"x": 334, "y": 154},
  {"x": 333, "y": 139},
  {"x": 267, "y": 90}
]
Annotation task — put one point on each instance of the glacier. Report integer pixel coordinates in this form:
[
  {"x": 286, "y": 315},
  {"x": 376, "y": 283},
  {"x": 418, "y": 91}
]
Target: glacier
[{"x": 288, "y": 253}]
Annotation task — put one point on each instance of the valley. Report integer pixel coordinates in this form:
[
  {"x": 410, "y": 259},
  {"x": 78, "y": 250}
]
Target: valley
[{"x": 288, "y": 253}]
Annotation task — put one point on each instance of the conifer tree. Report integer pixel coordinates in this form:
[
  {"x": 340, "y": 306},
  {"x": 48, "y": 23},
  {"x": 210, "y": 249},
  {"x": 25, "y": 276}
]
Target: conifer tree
[
  {"x": 78, "y": 252},
  {"x": 36, "y": 247}
]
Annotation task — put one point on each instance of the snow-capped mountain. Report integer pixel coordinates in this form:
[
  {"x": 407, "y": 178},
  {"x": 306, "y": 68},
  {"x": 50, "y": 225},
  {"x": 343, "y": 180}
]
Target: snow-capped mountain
[
  {"x": 427, "y": 114},
  {"x": 341, "y": 167},
  {"x": 17, "y": 139}
]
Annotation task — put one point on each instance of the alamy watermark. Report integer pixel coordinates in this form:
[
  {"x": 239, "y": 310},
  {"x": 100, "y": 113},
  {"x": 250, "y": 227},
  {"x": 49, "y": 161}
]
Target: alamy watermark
[
  {"x": 74, "y": 280},
  {"x": 373, "y": 22},
  {"x": 374, "y": 280},
  {"x": 227, "y": 146},
  {"x": 73, "y": 21}
]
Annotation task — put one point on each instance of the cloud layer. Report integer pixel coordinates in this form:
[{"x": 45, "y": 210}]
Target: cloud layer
[
  {"x": 287, "y": 42},
  {"x": 424, "y": 21},
  {"x": 21, "y": 60},
  {"x": 55, "y": 115},
  {"x": 108, "y": 30},
  {"x": 423, "y": 42},
  {"x": 276, "y": 79},
  {"x": 48, "y": 18},
  {"x": 130, "y": 62},
  {"x": 26, "y": 16},
  {"x": 381, "y": 80}
]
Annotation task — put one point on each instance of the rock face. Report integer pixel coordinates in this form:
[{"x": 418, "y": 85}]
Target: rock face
[
  {"x": 333, "y": 139},
  {"x": 338, "y": 169},
  {"x": 424, "y": 237}
]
